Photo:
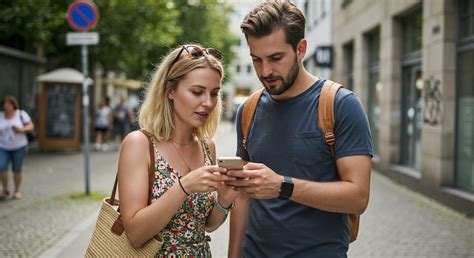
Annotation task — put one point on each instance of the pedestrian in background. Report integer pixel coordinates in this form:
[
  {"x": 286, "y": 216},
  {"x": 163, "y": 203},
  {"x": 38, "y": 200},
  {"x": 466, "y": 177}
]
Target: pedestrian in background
[
  {"x": 122, "y": 118},
  {"x": 181, "y": 112},
  {"x": 297, "y": 205},
  {"x": 14, "y": 124},
  {"x": 103, "y": 123}
]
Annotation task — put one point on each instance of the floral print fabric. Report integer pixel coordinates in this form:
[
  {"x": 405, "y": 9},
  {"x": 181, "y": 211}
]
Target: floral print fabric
[{"x": 184, "y": 236}]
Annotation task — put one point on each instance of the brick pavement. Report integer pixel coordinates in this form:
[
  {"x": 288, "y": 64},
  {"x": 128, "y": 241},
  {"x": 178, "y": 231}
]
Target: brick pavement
[
  {"x": 397, "y": 223},
  {"x": 31, "y": 225},
  {"x": 401, "y": 223}
]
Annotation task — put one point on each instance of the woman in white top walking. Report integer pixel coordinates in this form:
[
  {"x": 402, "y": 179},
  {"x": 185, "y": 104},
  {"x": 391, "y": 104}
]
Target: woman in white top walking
[
  {"x": 14, "y": 124},
  {"x": 103, "y": 122}
]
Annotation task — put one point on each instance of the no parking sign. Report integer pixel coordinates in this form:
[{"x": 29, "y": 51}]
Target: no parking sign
[{"x": 82, "y": 15}]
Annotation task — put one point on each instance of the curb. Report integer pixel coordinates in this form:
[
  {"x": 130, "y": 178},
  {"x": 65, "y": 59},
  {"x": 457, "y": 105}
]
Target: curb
[{"x": 69, "y": 240}]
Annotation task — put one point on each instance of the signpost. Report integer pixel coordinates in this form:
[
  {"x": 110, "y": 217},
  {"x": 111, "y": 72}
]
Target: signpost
[
  {"x": 82, "y": 38},
  {"x": 83, "y": 16}
]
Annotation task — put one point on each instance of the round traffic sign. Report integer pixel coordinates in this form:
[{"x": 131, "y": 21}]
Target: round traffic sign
[{"x": 82, "y": 15}]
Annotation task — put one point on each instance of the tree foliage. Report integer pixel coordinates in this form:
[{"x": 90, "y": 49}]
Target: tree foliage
[
  {"x": 29, "y": 24},
  {"x": 134, "y": 34},
  {"x": 206, "y": 22}
]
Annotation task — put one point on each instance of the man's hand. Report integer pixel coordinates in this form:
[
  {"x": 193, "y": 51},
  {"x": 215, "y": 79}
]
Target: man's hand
[{"x": 257, "y": 181}]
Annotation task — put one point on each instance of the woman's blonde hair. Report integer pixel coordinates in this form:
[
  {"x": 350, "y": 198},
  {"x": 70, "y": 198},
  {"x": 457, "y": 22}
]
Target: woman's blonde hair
[{"x": 156, "y": 112}]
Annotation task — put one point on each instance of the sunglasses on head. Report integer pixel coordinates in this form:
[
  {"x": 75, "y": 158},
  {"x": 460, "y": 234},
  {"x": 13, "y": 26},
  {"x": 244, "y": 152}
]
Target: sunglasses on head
[{"x": 197, "y": 52}]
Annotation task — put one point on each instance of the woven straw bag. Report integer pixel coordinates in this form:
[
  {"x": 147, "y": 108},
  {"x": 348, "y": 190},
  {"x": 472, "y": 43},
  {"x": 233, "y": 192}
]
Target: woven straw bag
[{"x": 108, "y": 238}]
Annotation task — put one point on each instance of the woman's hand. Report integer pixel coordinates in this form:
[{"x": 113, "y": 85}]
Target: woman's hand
[
  {"x": 204, "y": 179},
  {"x": 18, "y": 129},
  {"x": 226, "y": 194}
]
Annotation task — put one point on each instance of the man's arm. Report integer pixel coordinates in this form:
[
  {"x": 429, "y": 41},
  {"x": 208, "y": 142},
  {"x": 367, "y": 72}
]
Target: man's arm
[
  {"x": 349, "y": 195},
  {"x": 238, "y": 225}
]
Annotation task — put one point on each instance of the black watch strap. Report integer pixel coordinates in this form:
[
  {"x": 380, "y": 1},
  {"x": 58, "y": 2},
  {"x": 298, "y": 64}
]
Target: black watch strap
[{"x": 286, "y": 188}]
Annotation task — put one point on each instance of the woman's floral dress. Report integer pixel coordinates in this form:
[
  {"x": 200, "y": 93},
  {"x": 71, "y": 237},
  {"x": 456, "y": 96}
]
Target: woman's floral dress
[{"x": 184, "y": 236}]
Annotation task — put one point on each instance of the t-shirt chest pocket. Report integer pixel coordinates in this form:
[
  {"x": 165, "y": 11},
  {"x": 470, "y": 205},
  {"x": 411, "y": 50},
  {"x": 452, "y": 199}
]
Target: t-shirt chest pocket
[{"x": 308, "y": 147}]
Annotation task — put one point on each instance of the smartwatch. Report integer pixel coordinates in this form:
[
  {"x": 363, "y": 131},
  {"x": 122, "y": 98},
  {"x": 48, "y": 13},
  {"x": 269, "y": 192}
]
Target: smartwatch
[{"x": 286, "y": 188}]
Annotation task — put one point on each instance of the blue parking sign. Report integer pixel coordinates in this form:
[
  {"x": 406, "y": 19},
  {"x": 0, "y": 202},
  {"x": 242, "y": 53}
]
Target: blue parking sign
[{"x": 82, "y": 15}]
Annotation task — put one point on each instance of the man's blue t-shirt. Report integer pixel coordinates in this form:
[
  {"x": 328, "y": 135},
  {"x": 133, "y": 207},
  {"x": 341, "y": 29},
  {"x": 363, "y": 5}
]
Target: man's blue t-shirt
[{"x": 285, "y": 136}]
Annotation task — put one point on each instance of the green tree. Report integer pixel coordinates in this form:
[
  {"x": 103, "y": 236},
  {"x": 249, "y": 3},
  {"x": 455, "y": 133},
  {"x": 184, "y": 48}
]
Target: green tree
[
  {"x": 134, "y": 34},
  {"x": 207, "y": 22},
  {"x": 29, "y": 24}
]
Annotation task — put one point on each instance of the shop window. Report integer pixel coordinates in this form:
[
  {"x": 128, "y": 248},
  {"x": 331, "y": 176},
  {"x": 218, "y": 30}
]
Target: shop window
[
  {"x": 375, "y": 87},
  {"x": 348, "y": 50},
  {"x": 464, "y": 175},
  {"x": 412, "y": 86}
]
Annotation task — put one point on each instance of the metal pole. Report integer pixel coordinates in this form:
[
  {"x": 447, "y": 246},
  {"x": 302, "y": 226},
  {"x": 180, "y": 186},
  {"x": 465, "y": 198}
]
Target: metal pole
[{"x": 85, "y": 104}]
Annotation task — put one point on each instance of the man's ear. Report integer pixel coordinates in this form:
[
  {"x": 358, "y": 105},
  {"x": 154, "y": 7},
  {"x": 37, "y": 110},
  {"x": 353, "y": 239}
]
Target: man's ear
[{"x": 301, "y": 49}]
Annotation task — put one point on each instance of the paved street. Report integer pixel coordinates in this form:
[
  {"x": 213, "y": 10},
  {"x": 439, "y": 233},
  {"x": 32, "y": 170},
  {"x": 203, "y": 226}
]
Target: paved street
[{"x": 47, "y": 223}]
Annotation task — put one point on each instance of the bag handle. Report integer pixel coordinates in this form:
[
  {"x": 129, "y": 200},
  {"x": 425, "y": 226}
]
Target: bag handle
[{"x": 151, "y": 171}]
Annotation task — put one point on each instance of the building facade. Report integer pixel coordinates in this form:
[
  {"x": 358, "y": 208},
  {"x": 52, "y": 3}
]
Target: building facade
[
  {"x": 18, "y": 71},
  {"x": 319, "y": 54},
  {"x": 411, "y": 63},
  {"x": 243, "y": 80}
]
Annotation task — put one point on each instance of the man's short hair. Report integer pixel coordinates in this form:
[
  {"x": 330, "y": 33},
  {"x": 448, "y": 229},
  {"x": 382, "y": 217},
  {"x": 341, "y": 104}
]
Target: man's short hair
[{"x": 273, "y": 15}]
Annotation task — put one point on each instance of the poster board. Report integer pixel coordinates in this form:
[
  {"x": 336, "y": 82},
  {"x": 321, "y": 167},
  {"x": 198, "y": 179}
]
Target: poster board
[{"x": 60, "y": 113}]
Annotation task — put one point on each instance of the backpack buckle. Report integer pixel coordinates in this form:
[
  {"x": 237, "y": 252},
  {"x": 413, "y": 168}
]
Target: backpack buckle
[{"x": 329, "y": 138}]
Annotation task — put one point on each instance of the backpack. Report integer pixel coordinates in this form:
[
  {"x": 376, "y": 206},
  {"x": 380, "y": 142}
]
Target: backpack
[{"x": 325, "y": 123}]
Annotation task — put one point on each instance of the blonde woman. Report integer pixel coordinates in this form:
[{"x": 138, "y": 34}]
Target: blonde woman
[{"x": 181, "y": 111}]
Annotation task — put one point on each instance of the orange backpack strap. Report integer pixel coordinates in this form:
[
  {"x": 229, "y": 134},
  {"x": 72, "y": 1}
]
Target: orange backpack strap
[
  {"x": 247, "y": 114},
  {"x": 326, "y": 112},
  {"x": 326, "y": 124}
]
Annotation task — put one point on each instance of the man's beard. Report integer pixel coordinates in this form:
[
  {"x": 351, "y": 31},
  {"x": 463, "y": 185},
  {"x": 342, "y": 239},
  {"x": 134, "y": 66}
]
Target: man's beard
[{"x": 286, "y": 83}]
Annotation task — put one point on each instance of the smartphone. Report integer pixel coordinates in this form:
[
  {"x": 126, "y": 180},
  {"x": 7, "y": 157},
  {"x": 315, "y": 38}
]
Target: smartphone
[{"x": 230, "y": 163}]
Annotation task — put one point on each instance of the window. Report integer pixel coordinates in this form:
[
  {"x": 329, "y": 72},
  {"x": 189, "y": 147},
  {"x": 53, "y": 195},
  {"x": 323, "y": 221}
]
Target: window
[
  {"x": 237, "y": 68},
  {"x": 464, "y": 175},
  {"x": 323, "y": 8},
  {"x": 306, "y": 8},
  {"x": 466, "y": 20},
  {"x": 412, "y": 34},
  {"x": 249, "y": 68},
  {"x": 349, "y": 65},
  {"x": 412, "y": 86},
  {"x": 345, "y": 3},
  {"x": 375, "y": 87}
]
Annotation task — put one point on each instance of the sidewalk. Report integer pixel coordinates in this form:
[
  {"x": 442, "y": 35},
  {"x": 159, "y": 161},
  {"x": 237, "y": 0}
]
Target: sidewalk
[
  {"x": 74, "y": 244},
  {"x": 46, "y": 213}
]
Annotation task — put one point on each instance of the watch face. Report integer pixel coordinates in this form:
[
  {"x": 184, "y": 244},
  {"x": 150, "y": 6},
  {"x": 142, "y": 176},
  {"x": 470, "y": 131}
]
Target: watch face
[{"x": 286, "y": 188}]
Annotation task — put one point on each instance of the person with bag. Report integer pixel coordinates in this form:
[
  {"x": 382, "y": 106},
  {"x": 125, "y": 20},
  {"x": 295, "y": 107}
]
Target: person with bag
[
  {"x": 295, "y": 196},
  {"x": 103, "y": 122},
  {"x": 180, "y": 113},
  {"x": 14, "y": 124},
  {"x": 122, "y": 117}
]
